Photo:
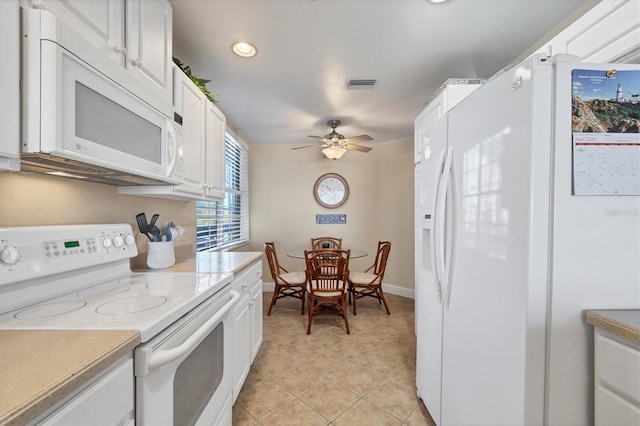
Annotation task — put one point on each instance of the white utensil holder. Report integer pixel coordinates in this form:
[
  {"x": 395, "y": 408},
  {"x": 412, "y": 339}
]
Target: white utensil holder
[{"x": 161, "y": 255}]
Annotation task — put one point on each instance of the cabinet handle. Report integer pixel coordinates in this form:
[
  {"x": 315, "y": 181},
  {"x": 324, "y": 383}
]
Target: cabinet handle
[
  {"x": 136, "y": 62},
  {"x": 120, "y": 49}
]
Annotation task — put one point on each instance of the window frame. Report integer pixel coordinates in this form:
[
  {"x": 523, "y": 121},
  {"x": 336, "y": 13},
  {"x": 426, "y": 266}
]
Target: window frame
[{"x": 214, "y": 212}]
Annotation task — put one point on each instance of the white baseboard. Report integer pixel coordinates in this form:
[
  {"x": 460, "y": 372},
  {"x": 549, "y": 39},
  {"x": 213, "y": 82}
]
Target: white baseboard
[
  {"x": 268, "y": 287},
  {"x": 388, "y": 288},
  {"x": 398, "y": 291}
]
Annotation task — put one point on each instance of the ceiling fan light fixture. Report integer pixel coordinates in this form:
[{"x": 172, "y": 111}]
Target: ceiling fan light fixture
[
  {"x": 334, "y": 152},
  {"x": 244, "y": 49}
]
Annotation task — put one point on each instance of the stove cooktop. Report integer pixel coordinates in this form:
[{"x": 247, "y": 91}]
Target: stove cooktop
[{"x": 147, "y": 302}]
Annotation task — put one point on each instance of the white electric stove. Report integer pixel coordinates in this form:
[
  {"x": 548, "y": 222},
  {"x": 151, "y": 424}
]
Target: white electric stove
[{"x": 78, "y": 277}]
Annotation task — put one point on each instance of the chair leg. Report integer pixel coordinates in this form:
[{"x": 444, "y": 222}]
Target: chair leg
[
  {"x": 381, "y": 297},
  {"x": 276, "y": 292},
  {"x": 302, "y": 296},
  {"x": 355, "y": 299},
  {"x": 344, "y": 313},
  {"x": 310, "y": 309}
]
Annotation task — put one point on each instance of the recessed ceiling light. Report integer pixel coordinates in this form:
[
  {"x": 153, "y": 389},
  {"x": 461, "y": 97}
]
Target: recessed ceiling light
[
  {"x": 437, "y": 1},
  {"x": 244, "y": 49}
]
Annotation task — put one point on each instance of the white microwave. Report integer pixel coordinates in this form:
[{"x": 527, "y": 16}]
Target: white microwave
[{"x": 85, "y": 116}]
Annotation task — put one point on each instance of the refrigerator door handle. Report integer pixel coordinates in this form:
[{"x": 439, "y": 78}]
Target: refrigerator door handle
[
  {"x": 434, "y": 231},
  {"x": 441, "y": 225}
]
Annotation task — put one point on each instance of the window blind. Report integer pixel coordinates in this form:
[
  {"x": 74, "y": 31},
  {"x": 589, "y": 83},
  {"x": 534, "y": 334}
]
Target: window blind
[{"x": 224, "y": 224}]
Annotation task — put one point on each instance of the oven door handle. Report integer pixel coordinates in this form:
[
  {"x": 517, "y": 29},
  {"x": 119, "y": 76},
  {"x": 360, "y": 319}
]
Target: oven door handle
[{"x": 165, "y": 357}]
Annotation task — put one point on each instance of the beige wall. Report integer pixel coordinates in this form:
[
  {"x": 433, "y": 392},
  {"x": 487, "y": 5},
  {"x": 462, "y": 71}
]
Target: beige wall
[
  {"x": 380, "y": 204},
  {"x": 282, "y": 208},
  {"x": 32, "y": 199}
]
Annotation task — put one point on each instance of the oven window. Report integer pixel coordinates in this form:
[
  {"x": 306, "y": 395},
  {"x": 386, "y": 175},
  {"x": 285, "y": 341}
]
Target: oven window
[
  {"x": 198, "y": 377},
  {"x": 102, "y": 121}
]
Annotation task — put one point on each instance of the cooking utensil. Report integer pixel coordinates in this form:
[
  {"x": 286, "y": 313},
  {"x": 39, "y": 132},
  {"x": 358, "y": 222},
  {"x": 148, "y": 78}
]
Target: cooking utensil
[
  {"x": 141, "y": 218},
  {"x": 155, "y": 232},
  {"x": 167, "y": 230},
  {"x": 154, "y": 218}
]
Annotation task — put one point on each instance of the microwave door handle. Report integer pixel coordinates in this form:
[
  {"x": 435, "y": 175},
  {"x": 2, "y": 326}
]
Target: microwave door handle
[
  {"x": 172, "y": 148},
  {"x": 165, "y": 357}
]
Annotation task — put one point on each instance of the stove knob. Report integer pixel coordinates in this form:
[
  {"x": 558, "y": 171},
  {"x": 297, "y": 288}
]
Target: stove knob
[
  {"x": 106, "y": 243},
  {"x": 118, "y": 241},
  {"x": 9, "y": 255},
  {"x": 129, "y": 240}
]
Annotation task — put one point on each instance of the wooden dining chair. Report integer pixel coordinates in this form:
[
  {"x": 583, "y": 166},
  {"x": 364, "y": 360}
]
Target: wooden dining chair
[
  {"x": 326, "y": 243},
  {"x": 287, "y": 284},
  {"x": 327, "y": 282},
  {"x": 369, "y": 282}
]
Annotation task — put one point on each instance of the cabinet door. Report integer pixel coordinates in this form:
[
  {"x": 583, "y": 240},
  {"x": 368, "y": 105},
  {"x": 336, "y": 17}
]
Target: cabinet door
[
  {"x": 100, "y": 22},
  {"x": 10, "y": 85},
  {"x": 189, "y": 102},
  {"x": 149, "y": 43},
  {"x": 109, "y": 399},
  {"x": 241, "y": 343},
  {"x": 256, "y": 319},
  {"x": 215, "y": 156}
]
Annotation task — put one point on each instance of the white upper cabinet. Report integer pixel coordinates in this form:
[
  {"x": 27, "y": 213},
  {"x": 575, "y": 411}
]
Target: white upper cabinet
[
  {"x": 203, "y": 155},
  {"x": 608, "y": 32},
  {"x": 100, "y": 22},
  {"x": 149, "y": 42},
  {"x": 10, "y": 85},
  {"x": 146, "y": 51},
  {"x": 189, "y": 103},
  {"x": 215, "y": 161}
]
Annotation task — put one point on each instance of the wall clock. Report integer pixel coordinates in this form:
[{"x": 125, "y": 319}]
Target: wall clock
[{"x": 331, "y": 190}]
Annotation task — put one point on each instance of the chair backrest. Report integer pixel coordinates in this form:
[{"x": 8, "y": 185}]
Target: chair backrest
[
  {"x": 326, "y": 243},
  {"x": 382, "y": 254},
  {"x": 327, "y": 269},
  {"x": 272, "y": 258}
]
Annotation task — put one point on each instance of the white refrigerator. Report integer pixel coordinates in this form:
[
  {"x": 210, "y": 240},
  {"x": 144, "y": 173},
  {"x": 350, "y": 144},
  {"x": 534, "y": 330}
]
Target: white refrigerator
[{"x": 535, "y": 219}]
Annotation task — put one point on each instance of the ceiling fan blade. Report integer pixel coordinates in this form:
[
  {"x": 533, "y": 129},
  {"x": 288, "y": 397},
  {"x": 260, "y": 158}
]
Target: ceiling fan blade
[
  {"x": 317, "y": 137},
  {"x": 306, "y": 146},
  {"x": 360, "y": 138},
  {"x": 359, "y": 148}
]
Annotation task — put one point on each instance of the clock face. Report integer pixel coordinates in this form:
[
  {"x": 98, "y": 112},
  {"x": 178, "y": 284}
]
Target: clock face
[{"x": 331, "y": 190}]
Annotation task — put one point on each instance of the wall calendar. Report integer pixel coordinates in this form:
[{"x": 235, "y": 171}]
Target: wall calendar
[{"x": 606, "y": 140}]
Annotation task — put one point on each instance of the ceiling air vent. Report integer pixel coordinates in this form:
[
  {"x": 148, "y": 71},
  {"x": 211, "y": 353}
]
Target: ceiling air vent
[{"x": 361, "y": 83}]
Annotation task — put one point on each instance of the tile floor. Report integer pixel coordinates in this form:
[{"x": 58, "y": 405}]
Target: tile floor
[{"x": 330, "y": 377}]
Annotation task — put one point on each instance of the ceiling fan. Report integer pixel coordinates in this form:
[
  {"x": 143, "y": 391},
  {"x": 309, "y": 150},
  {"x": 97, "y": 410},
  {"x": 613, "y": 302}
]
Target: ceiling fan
[{"x": 335, "y": 144}]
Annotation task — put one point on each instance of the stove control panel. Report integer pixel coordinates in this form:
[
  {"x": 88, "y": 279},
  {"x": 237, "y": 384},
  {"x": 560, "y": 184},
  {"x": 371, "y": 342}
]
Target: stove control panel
[{"x": 34, "y": 252}]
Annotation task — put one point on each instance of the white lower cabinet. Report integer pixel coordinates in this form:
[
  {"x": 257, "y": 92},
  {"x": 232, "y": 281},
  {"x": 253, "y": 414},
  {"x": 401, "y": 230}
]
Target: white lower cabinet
[
  {"x": 241, "y": 344},
  {"x": 617, "y": 380},
  {"x": 255, "y": 308},
  {"x": 247, "y": 323},
  {"x": 107, "y": 400}
]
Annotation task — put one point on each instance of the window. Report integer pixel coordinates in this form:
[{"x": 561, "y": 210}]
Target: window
[{"x": 224, "y": 224}]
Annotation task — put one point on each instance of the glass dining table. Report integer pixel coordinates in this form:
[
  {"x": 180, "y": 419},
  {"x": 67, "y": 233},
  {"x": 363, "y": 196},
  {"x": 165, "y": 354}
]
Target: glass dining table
[{"x": 299, "y": 254}]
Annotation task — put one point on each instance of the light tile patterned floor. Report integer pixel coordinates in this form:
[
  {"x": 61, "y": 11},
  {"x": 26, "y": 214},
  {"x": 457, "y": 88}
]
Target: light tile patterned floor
[{"x": 330, "y": 377}]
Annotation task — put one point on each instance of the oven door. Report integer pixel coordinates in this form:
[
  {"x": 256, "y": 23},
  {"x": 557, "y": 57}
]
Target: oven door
[{"x": 184, "y": 374}]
